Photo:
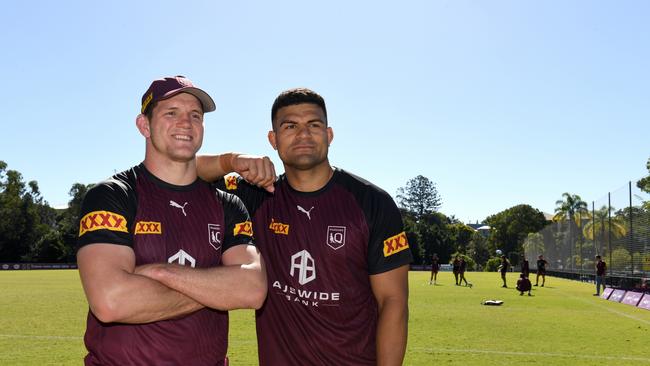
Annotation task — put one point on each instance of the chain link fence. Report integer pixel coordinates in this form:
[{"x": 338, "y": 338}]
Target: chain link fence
[{"x": 616, "y": 227}]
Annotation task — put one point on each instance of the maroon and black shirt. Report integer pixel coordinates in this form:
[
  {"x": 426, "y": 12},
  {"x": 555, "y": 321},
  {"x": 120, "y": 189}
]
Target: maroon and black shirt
[
  {"x": 163, "y": 223},
  {"x": 320, "y": 249},
  {"x": 600, "y": 268}
]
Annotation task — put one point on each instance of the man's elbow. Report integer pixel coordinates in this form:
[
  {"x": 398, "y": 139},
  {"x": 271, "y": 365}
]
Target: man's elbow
[
  {"x": 106, "y": 310},
  {"x": 258, "y": 293}
]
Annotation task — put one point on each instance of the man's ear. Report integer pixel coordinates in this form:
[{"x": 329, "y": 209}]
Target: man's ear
[
  {"x": 142, "y": 122},
  {"x": 272, "y": 141}
]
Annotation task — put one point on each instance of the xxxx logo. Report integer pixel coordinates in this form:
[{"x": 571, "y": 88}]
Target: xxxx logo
[
  {"x": 98, "y": 220},
  {"x": 395, "y": 244},
  {"x": 231, "y": 182},
  {"x": 279, "y": 228},
  {"x": 243, "y": 228},
  {"x": 148, "y": 227}
]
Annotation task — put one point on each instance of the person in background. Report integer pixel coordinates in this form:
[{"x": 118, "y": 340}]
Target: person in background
[
  {"x": 503, "y": 268},
  {"x": 435, "y": 267},
  {"x": 541, "y": 270},
  {"x": 461, "y": 271},
  {"x": 455, "y": 266},
  {"x": 525, "y": 268},
  {"x": 523, "y": 285},
  {"x": 601, "y": 268}
]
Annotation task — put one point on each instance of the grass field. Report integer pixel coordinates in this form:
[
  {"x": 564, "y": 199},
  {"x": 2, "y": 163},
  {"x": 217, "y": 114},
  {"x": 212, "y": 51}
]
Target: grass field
[{"x": 42, "y": 320}]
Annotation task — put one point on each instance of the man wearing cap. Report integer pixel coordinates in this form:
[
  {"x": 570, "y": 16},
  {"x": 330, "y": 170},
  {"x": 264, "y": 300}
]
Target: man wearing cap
[
  {"x": 162, "y": 254},
  {"x": 336, "y": 253}
]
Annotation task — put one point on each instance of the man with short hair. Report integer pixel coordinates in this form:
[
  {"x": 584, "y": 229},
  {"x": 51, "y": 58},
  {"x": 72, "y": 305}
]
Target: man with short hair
[
  {"x": 601, "y": 267},
  {"x": 162, "y": 254},
  {"x": 541, "y": 270},
  {"x": 335, "y": 250}
]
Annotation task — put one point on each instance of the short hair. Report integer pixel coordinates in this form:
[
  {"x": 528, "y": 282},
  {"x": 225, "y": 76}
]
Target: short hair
[
  {"x": 598, "y": 256},
  {"x": 297, "y": 96},
  {"x": 149, "y": 111}
]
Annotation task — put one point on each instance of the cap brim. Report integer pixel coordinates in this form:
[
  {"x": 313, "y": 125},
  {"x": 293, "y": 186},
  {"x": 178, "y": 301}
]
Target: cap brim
[{"x": 206, "y": 101}]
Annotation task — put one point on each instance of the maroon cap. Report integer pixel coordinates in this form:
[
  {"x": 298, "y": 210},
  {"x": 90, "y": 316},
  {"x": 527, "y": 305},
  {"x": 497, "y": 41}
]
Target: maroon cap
[{"x": 168, "y": 87}]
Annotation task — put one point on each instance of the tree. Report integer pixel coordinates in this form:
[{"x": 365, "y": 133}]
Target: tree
[
  {"x": 511, "y": 226},
  {"x": 25, "y": 218},
  {"x": 461, "y": 235},
  {"x": 534, "y": 244},
  {"x": 601, "y": 227},
  {"x": 420, "y": 197},
  {"x": 478, "y": 249},
  {"x": 644, "y": 185},
  {"x": 574, "y": 210},
  {"x": 68, "y": 221}
]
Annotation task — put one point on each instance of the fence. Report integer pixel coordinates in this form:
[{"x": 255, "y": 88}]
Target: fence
[{"x": 616, "y": 227}]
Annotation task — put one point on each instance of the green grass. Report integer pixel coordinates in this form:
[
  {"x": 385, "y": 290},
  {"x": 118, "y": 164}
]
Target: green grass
[{"x": 43, "y": 319}]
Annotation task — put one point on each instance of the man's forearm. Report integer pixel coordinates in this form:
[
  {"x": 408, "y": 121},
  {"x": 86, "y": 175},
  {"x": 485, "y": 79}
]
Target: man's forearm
[
  {"x": 213, "y": 167},
  {"x": 142, "y": 300},
  {"x": 223, "y": 288}
]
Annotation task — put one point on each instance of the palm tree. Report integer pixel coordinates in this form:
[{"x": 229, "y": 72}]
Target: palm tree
[
  {"x": 572, "y": 209},
  {"x": 601, "y": 227}
]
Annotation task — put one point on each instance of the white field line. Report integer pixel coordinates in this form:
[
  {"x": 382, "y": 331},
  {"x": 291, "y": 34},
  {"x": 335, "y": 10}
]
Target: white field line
[
  {"x": 613, "y": 311},
  {"x": 528, "y": 354},
  {"x": 40, "y": 337}
]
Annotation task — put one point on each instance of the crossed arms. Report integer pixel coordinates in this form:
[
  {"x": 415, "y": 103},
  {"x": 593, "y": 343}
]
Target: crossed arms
[{"x": 118, "y": 291}]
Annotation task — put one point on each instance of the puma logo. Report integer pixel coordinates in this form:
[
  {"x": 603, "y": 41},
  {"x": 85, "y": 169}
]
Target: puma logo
[
  {"x": 174, "y": 204},
  {"x": 306, "y": 212}
]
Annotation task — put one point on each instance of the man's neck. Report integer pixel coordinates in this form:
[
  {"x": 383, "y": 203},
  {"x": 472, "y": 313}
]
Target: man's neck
[
  {"x": 172, "y": 172},
  {"x": 309, "y": 180}
]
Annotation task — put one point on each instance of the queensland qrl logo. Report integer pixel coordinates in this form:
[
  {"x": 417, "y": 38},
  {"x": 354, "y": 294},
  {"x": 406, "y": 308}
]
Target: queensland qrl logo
[
  {"x": 336, "y": 236},
  {"x": 279, "y": 228},
  {"x": 148, "y": 227},
  {"x": 395, "y": 244},
  {"x": 303, "y": 265},
  {"x": 98, "y": 220},
  {"x": 231, "y": 182},
  {"x": 214, "y": 235},
  {"x": 243, "y": 228}
]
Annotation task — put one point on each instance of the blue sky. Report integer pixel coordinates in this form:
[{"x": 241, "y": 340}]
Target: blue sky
[{"x": 497, "y": 102}]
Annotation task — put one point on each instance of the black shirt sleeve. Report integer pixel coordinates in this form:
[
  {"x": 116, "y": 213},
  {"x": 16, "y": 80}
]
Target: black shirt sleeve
[{"x": 107, "y": 212}]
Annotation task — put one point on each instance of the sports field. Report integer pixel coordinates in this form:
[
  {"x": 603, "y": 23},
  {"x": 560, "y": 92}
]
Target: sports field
[{"x": 42, "y": 319}]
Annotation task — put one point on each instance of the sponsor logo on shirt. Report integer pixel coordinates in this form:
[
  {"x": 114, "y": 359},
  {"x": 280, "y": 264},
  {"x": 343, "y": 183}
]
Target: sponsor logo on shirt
[
  {"x": 243, "y": 228},
  {"x": 303, "y": 267},
  {"x": 181, "y": 257},
  {"x": 148, "y": 227},
  {"x": 279, "y": 228},
  {"x": 336, "y": 236},
  {"x": 231, "y": 182},
  {"x": 178, "y": 205},
  {"x": 395, "y": 244},
  {"x": 102, "y": 220},
  {"x": 306, "y": 212},
  {"x": 214, "y": 235}
]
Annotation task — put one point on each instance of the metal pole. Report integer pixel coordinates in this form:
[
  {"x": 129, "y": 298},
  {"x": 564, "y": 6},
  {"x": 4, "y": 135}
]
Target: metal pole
[
  {"x": 631, "y": 231},
  {"x": 609, "y": 234}
]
